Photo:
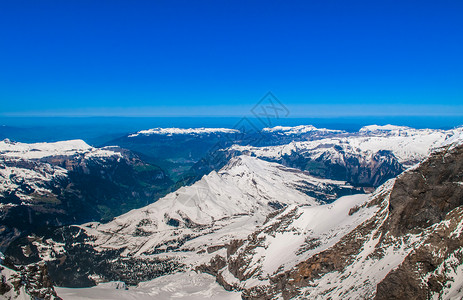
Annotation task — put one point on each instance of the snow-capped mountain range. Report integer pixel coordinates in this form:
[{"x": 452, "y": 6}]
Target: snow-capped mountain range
[
  {"x": 368, "y": 157},
  {"x": 276, "y": 222},
  {"x": 202, "y": 218},
  {"x": 408, "y": 145}
]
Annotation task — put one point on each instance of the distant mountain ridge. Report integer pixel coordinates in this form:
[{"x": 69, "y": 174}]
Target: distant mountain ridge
[
  {"x": 184, "y": 152},
  {"x": 184, "y": 131},
  {"x": 368, "y": 157}
]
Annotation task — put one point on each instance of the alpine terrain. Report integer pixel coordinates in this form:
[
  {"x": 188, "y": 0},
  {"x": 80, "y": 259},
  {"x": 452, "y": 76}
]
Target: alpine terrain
[{"x": 305, "y": 213}]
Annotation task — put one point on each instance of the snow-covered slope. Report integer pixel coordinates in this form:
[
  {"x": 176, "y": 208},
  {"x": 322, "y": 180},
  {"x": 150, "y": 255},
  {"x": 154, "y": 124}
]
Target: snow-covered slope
[
  {"x": 26, "y": 169},
  {"x": 10, "y": 149},
  {"x": 222, "y": 205},
  {"x": 8, "y": 277},
  {"x": 298, "y": 233},
  {"x": 189, "y": 285},
  {"x": 184, "y": 131},
  {"x": 407, "y": 144}
]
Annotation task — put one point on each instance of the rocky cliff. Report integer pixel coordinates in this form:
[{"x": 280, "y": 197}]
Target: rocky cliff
[{"x": 405, "y": 243}]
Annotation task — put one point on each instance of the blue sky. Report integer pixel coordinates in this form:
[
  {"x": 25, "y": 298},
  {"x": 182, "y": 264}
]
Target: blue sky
[{"x": 164, "y": 58}]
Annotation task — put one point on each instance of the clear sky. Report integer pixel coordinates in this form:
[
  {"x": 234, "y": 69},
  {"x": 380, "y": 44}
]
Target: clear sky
[{"x": 220, "y": 57}]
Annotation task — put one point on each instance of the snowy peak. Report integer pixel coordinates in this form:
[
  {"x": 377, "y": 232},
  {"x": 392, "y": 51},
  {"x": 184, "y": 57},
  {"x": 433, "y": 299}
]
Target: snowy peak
[
  {"x": 235, "y": 199},
  {"x": 279, "y": 180},
  {"x": 244, "y": 185},
  {"x": 301, "y": 129},
  {"x": 184, "y": 131},
  {"x": 247, "y": 164}
]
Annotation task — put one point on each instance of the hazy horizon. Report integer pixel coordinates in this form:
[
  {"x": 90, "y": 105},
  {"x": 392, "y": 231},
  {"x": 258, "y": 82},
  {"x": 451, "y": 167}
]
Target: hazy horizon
[{"x": 99, "y": 130}]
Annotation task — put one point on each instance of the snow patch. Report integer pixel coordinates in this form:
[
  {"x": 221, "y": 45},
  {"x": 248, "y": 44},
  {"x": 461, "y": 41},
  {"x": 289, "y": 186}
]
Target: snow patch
[{"x": 188, "y": 285}]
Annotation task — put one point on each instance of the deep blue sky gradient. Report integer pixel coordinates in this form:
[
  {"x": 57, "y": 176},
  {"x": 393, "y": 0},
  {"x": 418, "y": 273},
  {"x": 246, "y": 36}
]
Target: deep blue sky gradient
[{"x": 164, "y": 58}]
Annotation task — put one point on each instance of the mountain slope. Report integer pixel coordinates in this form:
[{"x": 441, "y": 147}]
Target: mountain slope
[
  {"x": 51, "y": 184},
  {"x": 245, "y": 188},
  {"x": 185, "y": 228},
  {"x": 404, "y": 242}
]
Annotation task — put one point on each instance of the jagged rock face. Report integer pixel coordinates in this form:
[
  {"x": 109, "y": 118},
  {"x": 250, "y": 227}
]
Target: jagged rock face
[
  {"x": 423, "y": 196},
  {"x": 431, "y": 270},
  {"x": 408, "y": 247},
  {"x": 29, "y": 281},
  {"x": 358, "y": 169}
]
